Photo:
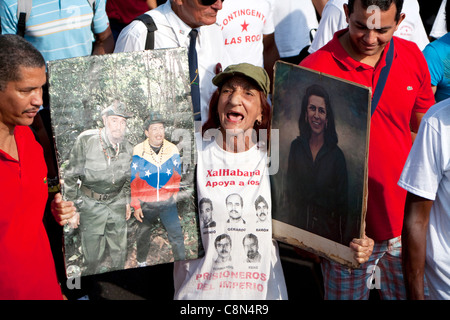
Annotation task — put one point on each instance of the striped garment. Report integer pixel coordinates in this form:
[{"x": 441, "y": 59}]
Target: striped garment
[
  {"x": 383, "y": 271},
  {"x": 59, "y": 29}
]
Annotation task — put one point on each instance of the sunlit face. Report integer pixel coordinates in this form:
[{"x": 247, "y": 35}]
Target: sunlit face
[
  {"x": 239, "y": 106},
  {"x": 234, "y": 206},
  {"x": 261, "y": 211},
  {"x": 21, "y": 100},
  {"x": 251, "y": 248},
  {"x": 371, "y": 30},
  {"x": 155, "y": 134},
  {"x": 206, "y": 212},
  {"x": 115, "y": 128},
  {"x": 194, "y": 14},
  {"x": 317, "y": 114}
]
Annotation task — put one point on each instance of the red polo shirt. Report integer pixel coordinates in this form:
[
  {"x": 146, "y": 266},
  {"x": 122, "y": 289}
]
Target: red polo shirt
[
  {"x": 27, "y": 269},
  {"x": 407, "y": 90}
]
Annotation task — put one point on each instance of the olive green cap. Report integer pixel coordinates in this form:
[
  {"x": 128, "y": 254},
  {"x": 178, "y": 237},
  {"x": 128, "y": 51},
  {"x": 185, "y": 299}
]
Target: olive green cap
[
  {"x": 257, "y": 74},
  {"x": 117, "y": 108}
]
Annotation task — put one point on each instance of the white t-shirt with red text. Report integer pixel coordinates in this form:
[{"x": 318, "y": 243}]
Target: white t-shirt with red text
[
  {"x": 243, "y": 25},
  {"x": 241, "y": 259}
]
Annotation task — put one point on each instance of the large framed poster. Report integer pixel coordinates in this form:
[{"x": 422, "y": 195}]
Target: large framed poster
[
  {"x": 124, "y": 135},
  {"x": 319, "y": 190}
]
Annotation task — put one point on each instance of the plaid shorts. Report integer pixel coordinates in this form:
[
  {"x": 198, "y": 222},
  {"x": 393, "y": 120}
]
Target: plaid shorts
[{"x": 383, "y": 271}]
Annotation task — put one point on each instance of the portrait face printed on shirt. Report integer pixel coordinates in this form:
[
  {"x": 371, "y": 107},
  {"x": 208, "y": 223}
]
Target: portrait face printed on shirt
[
  {"x": 20, "y": 100},
  {"x": 250, "y": 243},
  {"x": 317, "y": 114},
  {"x": 261, "y": 210},
  {"x": 206, "y": 211},
  {"x": 370, "y": 30},
  {"x": 234, "y": 206},
  {"x": 115, "y": 127},
  {"x": 155, "y": 134},
  {"x": 223, "y": 247}
]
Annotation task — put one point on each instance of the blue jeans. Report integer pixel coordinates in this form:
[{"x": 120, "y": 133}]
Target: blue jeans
[{"x": 168, "y": 214}]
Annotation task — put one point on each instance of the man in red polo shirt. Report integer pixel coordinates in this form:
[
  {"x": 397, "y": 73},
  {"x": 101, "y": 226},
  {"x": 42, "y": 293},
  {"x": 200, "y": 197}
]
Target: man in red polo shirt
[
  {"x": 27, "y": 270},
  {"x": 358, "y": 54}
]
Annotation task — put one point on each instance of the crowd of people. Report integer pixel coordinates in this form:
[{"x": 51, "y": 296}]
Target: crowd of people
[{"x": 234, "y": 46}]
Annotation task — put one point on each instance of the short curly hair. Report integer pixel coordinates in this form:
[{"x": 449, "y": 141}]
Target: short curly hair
[{"x": 16, "y": 52}]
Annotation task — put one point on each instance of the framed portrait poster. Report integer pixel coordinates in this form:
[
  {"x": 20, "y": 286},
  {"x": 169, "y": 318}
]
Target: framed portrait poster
[
  {"x": 124, "y": 135},
  {"x": 319, "y": 191}
]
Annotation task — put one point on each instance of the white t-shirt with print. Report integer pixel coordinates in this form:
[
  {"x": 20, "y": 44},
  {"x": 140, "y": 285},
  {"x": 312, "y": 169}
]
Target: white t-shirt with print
[
  {"x": 229, "y": 270},
  {"x": 243, "y": 25}
]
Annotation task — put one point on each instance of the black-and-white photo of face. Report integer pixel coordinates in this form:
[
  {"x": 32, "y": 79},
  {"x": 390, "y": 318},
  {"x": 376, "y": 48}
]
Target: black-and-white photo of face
[
  {"x": 250, "y": 243},
  {"x": 206, "y": 211},
  {"x": 223, "y": 247},
  {"x": 234, "y": 206},
  {"x": 262, "y": 209}
]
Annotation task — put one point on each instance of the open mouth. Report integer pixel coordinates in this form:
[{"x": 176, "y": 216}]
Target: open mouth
[{"x": 235, "y": 116}]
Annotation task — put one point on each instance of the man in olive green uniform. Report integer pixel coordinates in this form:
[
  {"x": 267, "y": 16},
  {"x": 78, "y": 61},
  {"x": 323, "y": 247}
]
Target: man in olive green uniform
[{"x": 97, "y": 179}]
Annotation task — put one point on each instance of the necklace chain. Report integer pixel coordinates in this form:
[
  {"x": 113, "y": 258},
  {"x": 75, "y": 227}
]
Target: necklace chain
[{"x": 153, "y": 153}]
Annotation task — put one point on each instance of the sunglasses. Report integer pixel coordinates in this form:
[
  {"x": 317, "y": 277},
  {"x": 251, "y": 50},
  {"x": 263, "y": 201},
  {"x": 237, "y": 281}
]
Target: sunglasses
[{"x": 208, "y": 2}]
